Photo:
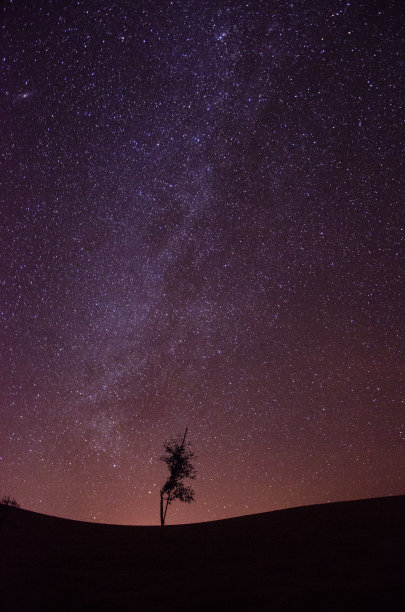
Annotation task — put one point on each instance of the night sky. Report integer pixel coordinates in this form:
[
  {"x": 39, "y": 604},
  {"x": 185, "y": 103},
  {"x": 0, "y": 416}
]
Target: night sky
[{"x": 200, "y": 226}]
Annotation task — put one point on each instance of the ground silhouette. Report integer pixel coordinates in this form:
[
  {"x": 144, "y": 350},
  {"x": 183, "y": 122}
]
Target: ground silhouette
[{"x": 341, "y": 556}]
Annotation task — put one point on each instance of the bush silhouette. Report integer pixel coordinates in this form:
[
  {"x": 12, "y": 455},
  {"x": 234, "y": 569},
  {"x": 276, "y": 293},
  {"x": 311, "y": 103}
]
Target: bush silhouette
[{"x": 6, "y": 500}]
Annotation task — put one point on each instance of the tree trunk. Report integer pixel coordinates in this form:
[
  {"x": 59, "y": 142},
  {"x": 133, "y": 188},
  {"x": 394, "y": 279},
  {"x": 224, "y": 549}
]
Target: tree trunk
[
  {"x": 167, "y": 505},
  {"x": 162, "y": 516}
]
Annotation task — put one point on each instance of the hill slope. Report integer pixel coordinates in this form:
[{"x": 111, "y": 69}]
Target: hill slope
[{"x": 342, "y": 556}]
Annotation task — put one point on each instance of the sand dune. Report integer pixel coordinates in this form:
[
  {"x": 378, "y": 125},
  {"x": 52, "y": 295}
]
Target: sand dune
[{"x": 341, "y": 556}]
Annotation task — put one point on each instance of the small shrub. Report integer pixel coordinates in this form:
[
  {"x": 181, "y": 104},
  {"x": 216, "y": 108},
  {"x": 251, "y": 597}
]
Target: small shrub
[{"x": 6, "y": 500}]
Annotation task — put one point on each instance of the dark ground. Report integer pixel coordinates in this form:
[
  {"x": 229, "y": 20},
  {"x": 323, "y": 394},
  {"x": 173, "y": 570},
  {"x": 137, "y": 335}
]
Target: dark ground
[{"x": 341, "y": 556}]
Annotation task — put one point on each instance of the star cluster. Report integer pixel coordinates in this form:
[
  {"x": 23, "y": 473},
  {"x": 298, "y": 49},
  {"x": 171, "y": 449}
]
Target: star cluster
[{"x": 201, "y": 218}]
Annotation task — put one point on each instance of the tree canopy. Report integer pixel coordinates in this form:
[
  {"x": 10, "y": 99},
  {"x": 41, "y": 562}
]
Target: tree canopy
[{"x": 179, "y": 459}]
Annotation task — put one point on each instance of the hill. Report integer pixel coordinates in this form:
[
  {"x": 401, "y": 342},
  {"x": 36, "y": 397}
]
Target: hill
[{"x": 340, "y": 556}]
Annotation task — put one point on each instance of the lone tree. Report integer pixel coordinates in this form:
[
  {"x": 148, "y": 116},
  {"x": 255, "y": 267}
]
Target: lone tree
[{"x": 178, "y": 458}]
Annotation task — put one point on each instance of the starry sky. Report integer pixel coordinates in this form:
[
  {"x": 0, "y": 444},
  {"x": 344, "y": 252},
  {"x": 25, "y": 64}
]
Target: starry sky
[{"x": 200, "y": 226}]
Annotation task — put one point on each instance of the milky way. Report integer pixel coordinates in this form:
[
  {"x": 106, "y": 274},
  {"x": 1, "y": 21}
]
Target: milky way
[{"x": 200, "y": 211}]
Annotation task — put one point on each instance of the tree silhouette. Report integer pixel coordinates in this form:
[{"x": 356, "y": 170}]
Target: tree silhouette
[
  {"x": 178, "y": 458},
  {"x": 6, "y": 500}
]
